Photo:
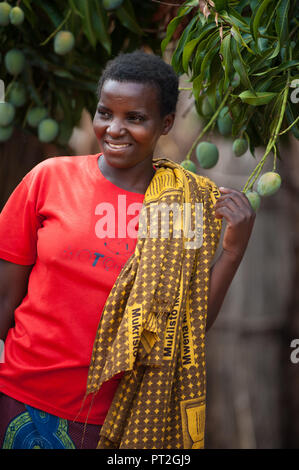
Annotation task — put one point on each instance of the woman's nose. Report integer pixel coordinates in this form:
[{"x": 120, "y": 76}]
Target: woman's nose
[{"x": 116, "y": 128}]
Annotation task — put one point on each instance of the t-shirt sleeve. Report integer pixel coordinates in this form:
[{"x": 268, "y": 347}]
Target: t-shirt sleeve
[{"x": 18, "y": 226}]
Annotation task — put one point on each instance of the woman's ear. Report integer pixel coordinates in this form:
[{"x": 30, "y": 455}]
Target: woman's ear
[{"x": 168, "y": 123}]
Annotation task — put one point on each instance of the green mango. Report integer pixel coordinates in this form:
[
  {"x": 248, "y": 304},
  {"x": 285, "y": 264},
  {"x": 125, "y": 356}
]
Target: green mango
[
  {"x": 14, "y": 61},
  {"x": 254, "y": 199},
  {"x": 48, "y": 130},
  {"x": 36, "y": 115},
  {"x": 7, "y": 113},
  {"x": 269, "y": 183},
  {"x": 189, "y": 165},
  {"x": 6, "y": 133},
  {"x": 207, "y": 154},
  {"x": 240, "y": 146},
  {"x": 224, "y": 122},
  {"x": 64, "y": 42},
  {"x": 17, "y": 94},
  {"x": 4, "y": 13},
  {"x": 16, "y": 16},
  {"x": 206, "y": 108}
]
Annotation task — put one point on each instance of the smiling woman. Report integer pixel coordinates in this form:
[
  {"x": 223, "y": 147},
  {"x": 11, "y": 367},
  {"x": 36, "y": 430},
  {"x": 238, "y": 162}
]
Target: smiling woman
[
  {"x": 137, "y": 102},
  {"x": 118, "y": 352},
  {"x": 128, "y": 125}
]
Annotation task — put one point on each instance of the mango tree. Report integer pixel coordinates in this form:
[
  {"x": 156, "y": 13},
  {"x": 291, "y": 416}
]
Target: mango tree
[
  {"x": 242, "y": 60},
  {"x": 52, "y": 54}
]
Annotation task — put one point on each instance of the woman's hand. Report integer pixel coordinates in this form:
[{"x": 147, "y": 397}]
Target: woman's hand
[{"x": 239, "y": 215}]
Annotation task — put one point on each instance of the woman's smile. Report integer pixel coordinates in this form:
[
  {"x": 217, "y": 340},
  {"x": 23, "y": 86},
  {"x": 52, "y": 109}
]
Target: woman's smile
[{"x": 116, "y": 146}]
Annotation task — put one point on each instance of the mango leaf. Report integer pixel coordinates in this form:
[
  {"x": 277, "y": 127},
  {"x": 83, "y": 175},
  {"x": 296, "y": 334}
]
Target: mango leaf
[
  {"x": 74, "y": 8},
  {"x": 257, "y": 16},
  {"x": 177, "y": 55},
  {"x": 264, "y": 85},
  {"x": 211, "y": 92},
  {"x": 172, "y": 26},
  {"x": 191, "y": 45},
  {"x": 220, "y": 5},
  {"x": 285, "y": 66},
  {"x": 226, "y": 58},
  {"x": 188, "y": 51},
  {"x": 240, "y": 6},
  {"x": 205, "y": 65},
  {"x": 126, "y": 16},
  {"x": 281, "y": 23},
  {"x": 256, "y": 99},
  {"x": 201, "y": 51},
  {"x": 232, "y": 17},
  {"x": 53, "y": 13},
  {"x": 275, "y": 51},
  {"x": 84, "y": 8},
  {"x": 27, "y": 3},
  {"x": 63, "y": 73},
  {"x": 239, "y": 66},
  {"x": 235, "y": 32},
  {"x": 100, "y": 26}
]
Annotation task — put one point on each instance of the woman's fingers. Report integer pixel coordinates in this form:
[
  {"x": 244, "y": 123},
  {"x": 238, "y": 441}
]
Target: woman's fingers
[
  {"x": 234, "y": 207},
  {"x": 239, "y": 200},
  {"x": 226, "y": 212},
  {"x": 228, "y": 202},
  {"x": 237, "y": 196}
]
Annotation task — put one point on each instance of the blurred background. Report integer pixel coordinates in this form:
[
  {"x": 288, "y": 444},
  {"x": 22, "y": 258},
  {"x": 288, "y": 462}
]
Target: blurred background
[{"x": 252, "y": 396}]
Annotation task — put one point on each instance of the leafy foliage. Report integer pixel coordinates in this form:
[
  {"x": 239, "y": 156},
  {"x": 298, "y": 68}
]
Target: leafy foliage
[
  {"x": 243, "y": 55},
  {"x": 65, "y": 84}
]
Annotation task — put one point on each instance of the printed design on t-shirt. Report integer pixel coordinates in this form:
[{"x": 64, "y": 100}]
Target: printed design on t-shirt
[
  {"x": 120, "y": 247},
  {"x": 112, "y": 256}
]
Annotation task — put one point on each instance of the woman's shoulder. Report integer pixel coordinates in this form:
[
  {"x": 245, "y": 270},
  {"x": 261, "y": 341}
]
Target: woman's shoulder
[
  {"x": 205, "y": 182},
  {"x": 57, "y": 162},
  {"x": 57, "y": 165},
  {"x": 208, "y": 185}
]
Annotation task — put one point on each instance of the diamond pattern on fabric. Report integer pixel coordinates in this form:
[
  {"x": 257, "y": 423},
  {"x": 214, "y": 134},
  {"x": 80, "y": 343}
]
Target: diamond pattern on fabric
[{"x": 153, "y": 324}]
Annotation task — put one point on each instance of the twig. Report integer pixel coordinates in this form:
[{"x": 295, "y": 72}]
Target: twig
[
  {"x": 272, "y": 142},
  {"x": 290, "y": 127},
  {"x": 57, "y": 29},
  {"x": 211, "y": 121}
]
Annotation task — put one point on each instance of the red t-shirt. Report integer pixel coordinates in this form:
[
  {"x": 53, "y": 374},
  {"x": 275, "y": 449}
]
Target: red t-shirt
[{"x": 56, "y": 220}]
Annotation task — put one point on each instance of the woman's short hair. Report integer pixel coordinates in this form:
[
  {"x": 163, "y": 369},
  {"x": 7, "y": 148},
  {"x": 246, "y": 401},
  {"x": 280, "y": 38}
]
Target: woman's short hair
[{"x": 141, "y": 67}]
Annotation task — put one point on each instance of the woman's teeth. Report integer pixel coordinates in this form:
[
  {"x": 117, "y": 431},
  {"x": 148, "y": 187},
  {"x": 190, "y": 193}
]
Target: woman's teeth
[{"x": 118, "y": 146}]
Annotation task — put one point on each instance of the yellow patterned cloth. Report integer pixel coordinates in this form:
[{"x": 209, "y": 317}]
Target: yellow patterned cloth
[{"x": 153, "y": 323}]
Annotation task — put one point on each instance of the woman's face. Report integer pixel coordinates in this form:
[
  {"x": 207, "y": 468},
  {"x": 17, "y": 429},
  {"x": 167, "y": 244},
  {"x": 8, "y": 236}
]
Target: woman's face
[{"x": 128, "y": 123}]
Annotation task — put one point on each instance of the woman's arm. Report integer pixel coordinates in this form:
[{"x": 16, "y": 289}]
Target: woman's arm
[
  {"x": 239, "y": 215},
  {"x": 13, "y": 288}
]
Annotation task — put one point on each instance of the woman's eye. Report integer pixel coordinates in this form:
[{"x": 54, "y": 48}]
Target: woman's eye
[
  {"x": 104, "y": 114},
  {"x": 136, "y": 118}
]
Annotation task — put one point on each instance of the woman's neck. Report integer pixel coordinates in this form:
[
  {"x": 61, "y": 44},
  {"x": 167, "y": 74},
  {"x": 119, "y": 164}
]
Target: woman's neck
[{"x": 135, "y": 179}]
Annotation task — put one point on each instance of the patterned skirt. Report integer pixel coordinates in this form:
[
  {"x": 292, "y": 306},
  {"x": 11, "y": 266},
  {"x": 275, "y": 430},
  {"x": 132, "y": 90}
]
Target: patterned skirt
[{"x": 24, "y": 427}]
